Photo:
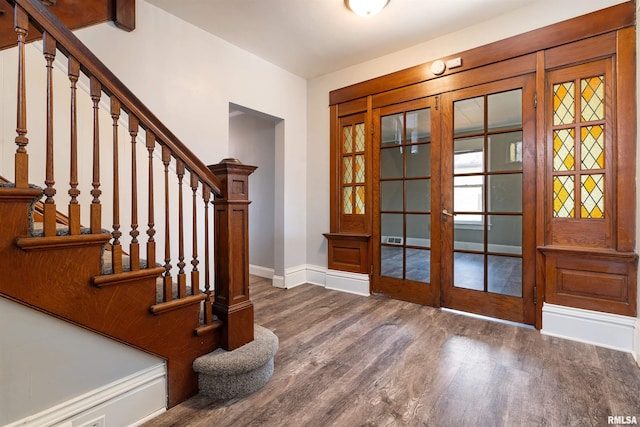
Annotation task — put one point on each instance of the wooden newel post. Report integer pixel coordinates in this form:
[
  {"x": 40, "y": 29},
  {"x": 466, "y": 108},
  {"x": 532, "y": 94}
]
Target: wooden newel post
[{"x": 232, "y": 304}]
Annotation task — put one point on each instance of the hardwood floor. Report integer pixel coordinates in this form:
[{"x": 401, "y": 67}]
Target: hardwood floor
[{"x": 348, "y": 360}]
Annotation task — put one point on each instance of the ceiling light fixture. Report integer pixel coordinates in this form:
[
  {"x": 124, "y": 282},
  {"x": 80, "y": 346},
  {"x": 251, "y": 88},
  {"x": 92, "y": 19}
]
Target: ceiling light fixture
[{"x": 366, "y": 7}]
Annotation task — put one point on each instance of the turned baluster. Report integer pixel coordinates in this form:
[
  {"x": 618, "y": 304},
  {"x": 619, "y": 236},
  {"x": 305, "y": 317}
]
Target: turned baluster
[
  {"x": 49, "y": 214},
  {"x": 150, "y": 143},
  {"x": 116, "y": 246},
  {"x": 182, "y": 278},
  {"x": 95, "y": 89},
  {"x": 134, "y": 247},
  {"x": 166, "y": 280},
  {"x": 206, "y": 196},
  {"x": 21, "y": 24},
  {"x": 195, "y": 274},
  {"x": 74, "y": 192}
]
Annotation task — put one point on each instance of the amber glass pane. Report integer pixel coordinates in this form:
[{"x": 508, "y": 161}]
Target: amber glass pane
[
  {"x": 359, "y": 137},
  {"x": 359, "y": 168},
  {"x": 592, "y": 195},
  {"x": 592, "y": 92},
  {"x": 563, "y": 199},
  {"x": 347, "y": 202},
  {"x": 592, "y": 151},
  {"x": 563, "y": 150},
  {"x": 347, "y": 141},
  {"x": 563, "y": 103},
  {"x": 359, "y": 200},
  {"x": 347, "y": 175}
]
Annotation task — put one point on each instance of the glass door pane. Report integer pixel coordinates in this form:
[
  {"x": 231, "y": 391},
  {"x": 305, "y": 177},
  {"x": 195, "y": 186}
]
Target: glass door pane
[
  {"x": 487, "y": 193},
  {"x": 405, "y": 195}
]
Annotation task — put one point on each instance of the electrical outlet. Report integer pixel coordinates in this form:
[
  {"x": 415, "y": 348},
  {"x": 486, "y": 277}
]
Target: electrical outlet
[{"x": 98, "y": 422}]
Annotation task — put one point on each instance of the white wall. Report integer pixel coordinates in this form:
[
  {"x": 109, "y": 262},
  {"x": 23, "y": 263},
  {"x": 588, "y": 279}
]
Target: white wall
[
  {"x": 45, "y": 362},
  {"x": 253, "y": 139}
]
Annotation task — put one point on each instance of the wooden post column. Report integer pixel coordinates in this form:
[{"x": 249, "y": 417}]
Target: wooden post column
[{"x": 231, "y": 303}]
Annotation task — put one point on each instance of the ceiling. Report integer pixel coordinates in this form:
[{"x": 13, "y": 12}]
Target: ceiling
[{"x": 311, "y": 38}]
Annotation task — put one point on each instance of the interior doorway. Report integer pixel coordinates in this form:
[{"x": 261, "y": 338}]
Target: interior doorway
[
  {"x": 453, "y": 194},
  {"x": 254, "y": 139}
]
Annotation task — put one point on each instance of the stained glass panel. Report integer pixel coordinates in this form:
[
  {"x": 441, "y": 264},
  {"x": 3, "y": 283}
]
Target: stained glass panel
[
  {"x": 359, "y": 168},
  {"x": 360, "y": 137},
  {"x": 592, "y": 93},
  {"x": 359, "y": 200},
  {"x": 592, "y": 150},
  {"x": 563, "y": 149},
  {"x": 347, "y": 203},
  {"x": 347, "y": 140},
  {"x": 592, "y": 195},
  {"x": 563, "y": 103},
  {"x": 563, "y": 199},
  {"x": 347, "y": 175}
]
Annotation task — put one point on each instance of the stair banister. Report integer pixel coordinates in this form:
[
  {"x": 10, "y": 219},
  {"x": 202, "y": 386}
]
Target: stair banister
[
  {"x": 92, "y": 66},
  {"x": 223, "y": 186}
]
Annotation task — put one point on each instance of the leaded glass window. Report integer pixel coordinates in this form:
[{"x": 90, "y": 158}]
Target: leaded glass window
[
  {"x": 353, "y": 169},
  {"x": 578, "y": 163}
]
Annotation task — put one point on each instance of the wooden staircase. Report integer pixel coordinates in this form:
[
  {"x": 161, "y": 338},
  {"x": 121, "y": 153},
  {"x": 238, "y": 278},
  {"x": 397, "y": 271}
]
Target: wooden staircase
[{"x": 60, "y": 270}]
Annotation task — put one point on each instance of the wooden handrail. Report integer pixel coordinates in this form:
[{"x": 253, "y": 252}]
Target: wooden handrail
[{"x": 70, "y": 45}]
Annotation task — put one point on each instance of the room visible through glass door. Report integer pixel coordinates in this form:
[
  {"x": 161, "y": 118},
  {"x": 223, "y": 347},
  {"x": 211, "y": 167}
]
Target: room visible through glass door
[
  {"x": 487, "y": 219},
  {"x": 404, "y": 266}
]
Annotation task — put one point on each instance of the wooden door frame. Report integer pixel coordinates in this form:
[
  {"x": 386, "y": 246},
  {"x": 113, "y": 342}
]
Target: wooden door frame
[{"x": 500, "y": 306}]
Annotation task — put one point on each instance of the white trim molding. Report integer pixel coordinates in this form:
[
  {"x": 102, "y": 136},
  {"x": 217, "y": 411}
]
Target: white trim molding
[
  {"x": 266, "y": 272},
  {"x": 353, "y": 283},
  {"x": 636, "y": 342},
  {"x": 128, "y": 401},
  {"x": 592, "y": 327}
]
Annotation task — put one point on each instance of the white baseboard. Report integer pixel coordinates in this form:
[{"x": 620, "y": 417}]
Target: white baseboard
[
  {"x": 295, "y": 276},
  {"x": 129, "y": 401},
  {"x": 353, "y": 283},
  {"x": 591, "y": 327},
  {"x": 344, "y": 281},
  {"x": 316, "y": 275},
  {"x": 259, "y": 271},
  {"x": 277, "y": 282},
  {"x": 636, "y": 342}
]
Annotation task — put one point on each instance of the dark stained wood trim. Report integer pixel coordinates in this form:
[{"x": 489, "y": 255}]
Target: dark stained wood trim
[
  {"x": 53, "y": 242},
  {"x": 626, "y": 139},
  {"x": 592, "y": 24},
  {"x": 127, "y": 276},
  {"x": 125, "y": 14},
  {"x": 541, "y": 183},
  {"x": 334, "y": 171},
  {"x": 175, "y": 304}
]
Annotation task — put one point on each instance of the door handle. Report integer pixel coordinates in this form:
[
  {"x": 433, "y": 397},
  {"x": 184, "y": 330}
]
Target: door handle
[{"x": 446, "y": 212}]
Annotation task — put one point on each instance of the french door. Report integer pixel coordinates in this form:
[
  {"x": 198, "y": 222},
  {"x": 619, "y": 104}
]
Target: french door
[{"x": 455, "y": 189}]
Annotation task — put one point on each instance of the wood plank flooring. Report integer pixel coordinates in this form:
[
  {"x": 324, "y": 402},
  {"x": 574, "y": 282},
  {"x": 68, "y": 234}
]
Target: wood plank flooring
[{"x": 348, "y": 360}]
